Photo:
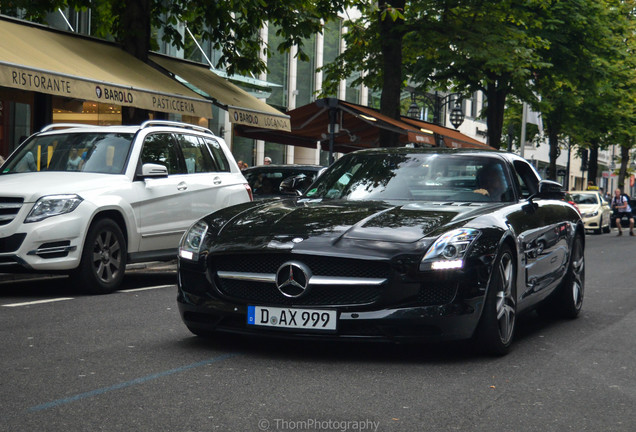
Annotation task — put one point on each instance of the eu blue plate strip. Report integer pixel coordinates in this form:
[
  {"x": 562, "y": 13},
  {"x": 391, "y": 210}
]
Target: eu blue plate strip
[{"x": 136, "y": 381}]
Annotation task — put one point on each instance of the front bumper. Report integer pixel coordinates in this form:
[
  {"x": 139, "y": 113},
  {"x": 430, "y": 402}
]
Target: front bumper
[
  {"x": 51, "y": 245},
  {"x": 414, "y": 324},
  {"x": 204, "y": 311}
]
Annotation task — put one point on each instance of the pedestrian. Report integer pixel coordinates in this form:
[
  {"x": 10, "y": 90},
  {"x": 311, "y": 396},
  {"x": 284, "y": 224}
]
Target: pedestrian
[
  {"x": 621, "y": 207},
  {"x": 268, "y": 160}
]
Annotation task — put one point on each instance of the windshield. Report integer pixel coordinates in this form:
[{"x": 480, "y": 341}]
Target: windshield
[
  {"x": 583, "y": 198},
  {"x": 422, "y": 177},
  {"x": 88, "y": 152}
]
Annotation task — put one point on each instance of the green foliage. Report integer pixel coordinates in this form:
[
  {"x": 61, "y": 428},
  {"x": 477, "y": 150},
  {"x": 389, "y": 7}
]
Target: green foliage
[{"x": 231, "y": 26}]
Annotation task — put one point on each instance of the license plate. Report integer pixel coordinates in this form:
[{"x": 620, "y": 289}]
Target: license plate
[{"x": 293, "y": 318}]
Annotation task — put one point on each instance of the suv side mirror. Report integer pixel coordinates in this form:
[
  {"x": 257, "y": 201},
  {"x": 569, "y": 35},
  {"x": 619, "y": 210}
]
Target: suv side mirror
[{"x": 151, "y": 170}]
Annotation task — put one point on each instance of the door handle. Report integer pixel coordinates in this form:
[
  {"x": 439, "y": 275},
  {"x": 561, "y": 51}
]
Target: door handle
[
  {"x": 216, "y": 180},
  {"x": 182, "y": 186}
]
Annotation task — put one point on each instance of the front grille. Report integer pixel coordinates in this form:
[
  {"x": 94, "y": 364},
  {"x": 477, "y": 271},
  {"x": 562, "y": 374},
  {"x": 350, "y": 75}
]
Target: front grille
[
  {"x": 332, "y": 295},
  {"x": 259, "y": 292},
  {"x": 437, "y": 293},
  {"x": 319, "y": 265},
  {"x": 9, "y": 208}
]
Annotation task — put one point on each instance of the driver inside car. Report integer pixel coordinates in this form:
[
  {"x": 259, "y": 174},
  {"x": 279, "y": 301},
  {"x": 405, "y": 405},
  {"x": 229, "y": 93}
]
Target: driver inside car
[{"x": 490, "y": 182}]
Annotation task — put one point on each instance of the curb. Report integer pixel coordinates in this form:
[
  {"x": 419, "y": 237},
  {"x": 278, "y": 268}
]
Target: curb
[{"x": 154, "y": 266}]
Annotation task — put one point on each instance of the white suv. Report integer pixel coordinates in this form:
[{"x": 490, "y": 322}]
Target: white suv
[{"x": 87, "y": 200}]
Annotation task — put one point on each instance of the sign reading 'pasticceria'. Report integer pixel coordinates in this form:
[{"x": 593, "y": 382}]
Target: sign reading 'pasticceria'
[{"x": 63, "y": 85}]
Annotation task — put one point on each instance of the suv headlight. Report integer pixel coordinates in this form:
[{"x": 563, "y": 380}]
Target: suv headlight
[
  {"x": 53, "y": 205},
  {"x": 449, "y": 250},
  {"x": 193, "y": 240}
]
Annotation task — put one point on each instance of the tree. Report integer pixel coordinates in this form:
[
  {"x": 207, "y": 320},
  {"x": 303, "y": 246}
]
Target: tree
[
  {"x": 232, "y": 26},
  {"x": 482, "y": 45},
  {"x": 461, "y": 45},
  {"x": 590, "y": 72}
]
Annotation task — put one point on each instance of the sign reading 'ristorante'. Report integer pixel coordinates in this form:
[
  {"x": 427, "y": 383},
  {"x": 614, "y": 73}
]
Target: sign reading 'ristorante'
[{"x": 43, "y": 82}]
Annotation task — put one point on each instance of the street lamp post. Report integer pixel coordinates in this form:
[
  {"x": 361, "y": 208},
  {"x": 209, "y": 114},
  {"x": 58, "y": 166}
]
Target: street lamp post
[{"x": 438, "y": 103}]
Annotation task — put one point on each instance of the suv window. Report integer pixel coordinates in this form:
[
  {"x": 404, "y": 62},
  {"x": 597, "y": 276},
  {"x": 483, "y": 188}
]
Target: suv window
[
  {"x": 160, "y": 148},
  {"x": 220, "y": 159},
  {"x": 197, "y": 157}
]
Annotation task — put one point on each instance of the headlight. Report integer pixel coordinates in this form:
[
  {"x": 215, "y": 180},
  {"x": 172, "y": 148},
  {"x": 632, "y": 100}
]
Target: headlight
[
  {"x": 53, "y": 205},
  {"x": 449, "y": 250},
  {"x": 193, "y": 240},
  {"x": 592, "y": 214}
]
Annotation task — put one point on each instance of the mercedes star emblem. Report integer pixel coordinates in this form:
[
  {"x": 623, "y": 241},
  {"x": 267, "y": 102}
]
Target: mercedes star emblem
[{"x": 292, "y": 279}]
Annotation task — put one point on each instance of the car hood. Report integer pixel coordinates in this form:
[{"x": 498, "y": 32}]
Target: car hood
[
  {"x": 285, "y": 221},
  {"x": 588, "y": 208},
  {"x": 33, "y": 185}
]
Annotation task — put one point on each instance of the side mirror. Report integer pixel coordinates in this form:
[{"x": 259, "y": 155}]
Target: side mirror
[
  {"x": 294, "y": 185},
  {"x": 151, "y": 170},
  {"x": 549, "y": 189}
]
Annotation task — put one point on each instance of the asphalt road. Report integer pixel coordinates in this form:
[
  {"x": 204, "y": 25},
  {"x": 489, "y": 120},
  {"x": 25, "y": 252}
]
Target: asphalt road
[{"x": 125, "y": 362}]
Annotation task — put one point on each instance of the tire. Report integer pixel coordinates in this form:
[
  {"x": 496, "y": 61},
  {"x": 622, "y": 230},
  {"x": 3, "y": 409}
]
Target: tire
[
  {"x": 496, "y": 327},
  {"x": 103, "y": 261},
  {"x": 567, "y": 300}
]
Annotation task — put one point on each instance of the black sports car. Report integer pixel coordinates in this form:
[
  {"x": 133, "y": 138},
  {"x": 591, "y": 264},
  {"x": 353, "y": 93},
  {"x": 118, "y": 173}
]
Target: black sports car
[{"x": 390, "y": 244}]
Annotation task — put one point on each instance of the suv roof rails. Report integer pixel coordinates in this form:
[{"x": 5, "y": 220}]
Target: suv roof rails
[
  {"x": 64, "y": 126},
  {"x": 149, "y": 123}
]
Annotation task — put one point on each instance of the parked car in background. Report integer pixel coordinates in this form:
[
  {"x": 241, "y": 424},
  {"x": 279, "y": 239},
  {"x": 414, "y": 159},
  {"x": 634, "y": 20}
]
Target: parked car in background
[
  {"x": 595, "y": 210},
  {"x": 384, "y": 247},
  {"x": 271, "y": 181},
  {"x": 86, "y": 200}
]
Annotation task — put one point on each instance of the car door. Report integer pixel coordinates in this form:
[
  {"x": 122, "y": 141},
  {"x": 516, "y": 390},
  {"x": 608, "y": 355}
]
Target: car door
[
  {"x": 208, "y": 180},
  {"x": 163, "y": 210},
  {"x": 543, "y": 233}
]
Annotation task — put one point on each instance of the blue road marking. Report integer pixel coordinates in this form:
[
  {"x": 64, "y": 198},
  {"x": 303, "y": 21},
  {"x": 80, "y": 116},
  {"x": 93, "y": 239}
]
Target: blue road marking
[{"x": 136, "y": 381}]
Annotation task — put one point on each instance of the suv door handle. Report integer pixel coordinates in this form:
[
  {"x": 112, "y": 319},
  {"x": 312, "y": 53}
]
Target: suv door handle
[
  {"x": 182, "y": 186},
  {"x": 216, "y": 180}
]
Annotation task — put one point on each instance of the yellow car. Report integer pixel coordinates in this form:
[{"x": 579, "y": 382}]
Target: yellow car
[{"x": 595, "y": 210}]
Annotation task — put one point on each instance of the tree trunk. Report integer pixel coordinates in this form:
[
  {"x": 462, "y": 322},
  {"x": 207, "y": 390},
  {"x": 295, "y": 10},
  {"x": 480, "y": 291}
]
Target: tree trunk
[
  {"x": 392, "y": 33},
  {"x": 133, "y": 34},
  {"x": 553, "y": 139},
  {"x": 496, "y": 98},
  {"x": 134, "y": 28},
  {"x": 622, "y": 174},
  {"x": 592, "y": 164}
]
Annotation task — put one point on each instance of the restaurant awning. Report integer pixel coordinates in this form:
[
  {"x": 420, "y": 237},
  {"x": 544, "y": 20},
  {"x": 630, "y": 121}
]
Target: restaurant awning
[
  {"x": 36, "y": 58},
  {"x": 449, "y": 137},
  {"x": 355, "y": 127},
  {"x": 243, "y": 107}
]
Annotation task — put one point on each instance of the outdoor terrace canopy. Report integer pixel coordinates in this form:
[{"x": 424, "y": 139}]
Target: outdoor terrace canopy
[{"x": 354, "y": 127}]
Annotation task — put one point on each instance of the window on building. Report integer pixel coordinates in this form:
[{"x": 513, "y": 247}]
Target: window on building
[
  {"x": 305, "y": 84},
  {"x": 278, "y": 65},
  {"x": 331, "y": 47}
]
